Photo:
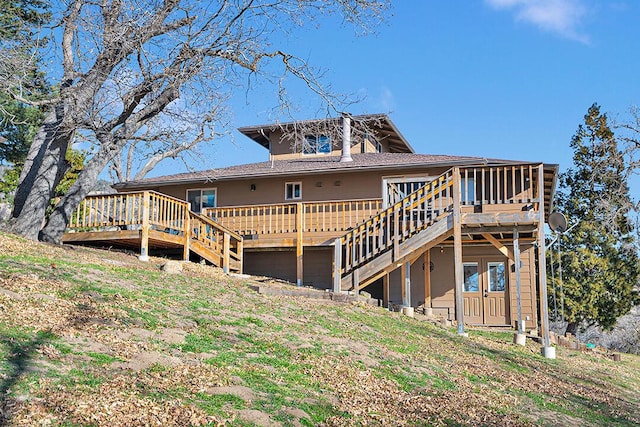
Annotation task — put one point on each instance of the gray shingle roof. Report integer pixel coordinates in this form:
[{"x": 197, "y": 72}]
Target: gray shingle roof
[{"x": 312, "y": 165}]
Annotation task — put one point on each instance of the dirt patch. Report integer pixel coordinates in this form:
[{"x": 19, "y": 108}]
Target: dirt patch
[
  {"x": 258, "y": 418},
  {"x": 244, "y": 393},
  {"x": 145, "y": 360},
  {"x": 173, "y": 335},
  {"x": 296, "y": 412}
]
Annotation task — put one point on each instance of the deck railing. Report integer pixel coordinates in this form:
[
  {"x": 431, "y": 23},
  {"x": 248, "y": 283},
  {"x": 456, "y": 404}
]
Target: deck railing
[
  {"x": 498, "y": 185},
  {"x": 148, "y": 210},
  {"x": 315, "y": 217}
]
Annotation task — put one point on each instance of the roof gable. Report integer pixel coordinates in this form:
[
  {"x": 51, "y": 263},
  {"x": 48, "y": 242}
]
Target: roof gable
[{"x": 381, "y": 124}]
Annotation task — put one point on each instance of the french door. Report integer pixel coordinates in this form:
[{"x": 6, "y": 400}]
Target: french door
[{"x": 485, "y": 292}]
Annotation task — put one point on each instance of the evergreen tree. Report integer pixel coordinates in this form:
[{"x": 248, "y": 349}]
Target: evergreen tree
[
  {"x": 19, "y": 122},
  {"x": 599, "y": 255}
]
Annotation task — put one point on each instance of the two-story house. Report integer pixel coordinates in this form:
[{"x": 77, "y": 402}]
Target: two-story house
[{"x": 346, "y": 204}]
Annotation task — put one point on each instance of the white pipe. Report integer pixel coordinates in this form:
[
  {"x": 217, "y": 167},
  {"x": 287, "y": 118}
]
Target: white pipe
[{"x": 346, "y": 139}]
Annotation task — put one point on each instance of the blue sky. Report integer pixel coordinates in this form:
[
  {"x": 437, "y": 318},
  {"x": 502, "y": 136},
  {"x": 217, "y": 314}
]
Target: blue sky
[{"x": 507, "y": 79}]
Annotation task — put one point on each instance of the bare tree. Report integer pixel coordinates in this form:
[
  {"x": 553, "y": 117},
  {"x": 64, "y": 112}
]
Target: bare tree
[
  {"x": 363, "y": 128},
  {"x": 132, "y": 74}
]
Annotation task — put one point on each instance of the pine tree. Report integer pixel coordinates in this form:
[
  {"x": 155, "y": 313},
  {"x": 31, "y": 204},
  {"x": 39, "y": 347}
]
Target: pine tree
[
  {"x": 19, "y": 122},
  {"x": 599, "y": 254}
]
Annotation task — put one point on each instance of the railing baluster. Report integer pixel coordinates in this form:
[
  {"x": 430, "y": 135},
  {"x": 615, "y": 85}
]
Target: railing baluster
[
  {"x": 512, "y": 198},
  {"x": 522, "y": 190},
  {"x": 532, "y": 186}
]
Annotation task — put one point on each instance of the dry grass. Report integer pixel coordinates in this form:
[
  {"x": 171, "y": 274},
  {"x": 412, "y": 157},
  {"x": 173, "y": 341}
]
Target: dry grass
[{"x": 90, "y": 337}]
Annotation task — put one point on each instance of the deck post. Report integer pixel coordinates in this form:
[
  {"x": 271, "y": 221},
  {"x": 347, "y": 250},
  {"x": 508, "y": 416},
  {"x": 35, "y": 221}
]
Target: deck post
[
  {"x": 406, "y": 284},
  {"x": 240, "y": 250},
  {"x": 226, "y": 249},
  {"x": 428, "y": 310},
  {"x": 385, "y": 290},
  {"x": 547, "y": 351},
  {"x": 187, "y": 234},
  {"x": 144, "y": 234},
  {"x": 396, "y": 233},
  {"x": 457, "y": 252},
  {"x": 299, "y": 243},
  {"x": 355, "y": 277},
  {"x": 337, "y": 265},
  {"x": 520, "y": 338}
]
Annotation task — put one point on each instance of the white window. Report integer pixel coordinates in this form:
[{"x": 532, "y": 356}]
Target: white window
[
  {"x": 201, "y": 198},
  {"x": 293, "y": 191},
  {"x": 316, "y": 144}
]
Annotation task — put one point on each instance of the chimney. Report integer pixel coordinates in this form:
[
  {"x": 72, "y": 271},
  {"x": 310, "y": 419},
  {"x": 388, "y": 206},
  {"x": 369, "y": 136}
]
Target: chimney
[{"x": 346, "y": 138}]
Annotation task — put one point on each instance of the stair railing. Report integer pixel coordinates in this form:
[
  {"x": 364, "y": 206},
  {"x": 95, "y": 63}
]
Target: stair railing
[
  {"x": 220, "y": 240},
  {"x": 395, "y": 224}
]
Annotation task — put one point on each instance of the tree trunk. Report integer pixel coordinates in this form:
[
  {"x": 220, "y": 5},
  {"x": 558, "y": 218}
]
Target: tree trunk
[
  {"x": 572, "y": 328},
  {"x": 44, "y": 168},
  {"x": 86, "y": 181}
]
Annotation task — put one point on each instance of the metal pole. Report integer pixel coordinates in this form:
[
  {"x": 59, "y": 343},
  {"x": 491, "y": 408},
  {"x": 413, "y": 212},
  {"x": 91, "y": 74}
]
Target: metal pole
[
  {"x": 553, "y": 276},
  {"x": 561, "y": 279}
]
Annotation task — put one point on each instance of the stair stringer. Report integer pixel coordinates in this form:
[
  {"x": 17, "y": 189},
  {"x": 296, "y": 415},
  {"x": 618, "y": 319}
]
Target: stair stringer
[
  {"x": 409, "y": 249},
  {"x": 202, "y": 250}
]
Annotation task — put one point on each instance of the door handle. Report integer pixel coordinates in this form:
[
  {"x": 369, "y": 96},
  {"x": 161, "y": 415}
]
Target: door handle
[{"x": 486, "y": 294}]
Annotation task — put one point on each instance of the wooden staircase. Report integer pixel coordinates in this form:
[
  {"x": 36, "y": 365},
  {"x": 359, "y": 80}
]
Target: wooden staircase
[
  {"x": 218, "y": 245},
  {"x": 150, "y": 220},
  {"x": 400, "y": 233}
]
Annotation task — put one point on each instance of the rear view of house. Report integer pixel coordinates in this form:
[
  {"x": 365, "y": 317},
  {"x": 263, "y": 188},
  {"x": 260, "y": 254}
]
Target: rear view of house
[{"x": 346, "y": 204}]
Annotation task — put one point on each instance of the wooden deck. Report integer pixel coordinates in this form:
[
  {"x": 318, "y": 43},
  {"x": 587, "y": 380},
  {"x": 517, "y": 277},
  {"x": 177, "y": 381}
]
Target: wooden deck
[
  {"x": 152, "y": 221},
  {"x": 367, "y": 238}
]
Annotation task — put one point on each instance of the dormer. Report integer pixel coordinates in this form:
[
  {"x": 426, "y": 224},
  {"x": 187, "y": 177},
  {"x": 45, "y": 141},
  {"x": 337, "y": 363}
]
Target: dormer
[{"x": 321, "y": 138}]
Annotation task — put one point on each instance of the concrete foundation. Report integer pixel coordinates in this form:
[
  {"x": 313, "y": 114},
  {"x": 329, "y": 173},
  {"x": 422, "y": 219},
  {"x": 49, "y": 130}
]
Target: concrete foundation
[
  {"x": 548, "y": 352},
  {"x": 520, "y": 339},
  {"x": 408, "y": 311}
]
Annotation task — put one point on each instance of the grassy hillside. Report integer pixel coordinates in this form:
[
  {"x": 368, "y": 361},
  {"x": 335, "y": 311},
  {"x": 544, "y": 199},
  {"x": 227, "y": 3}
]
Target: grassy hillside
[{"x": 90, "y": 337}]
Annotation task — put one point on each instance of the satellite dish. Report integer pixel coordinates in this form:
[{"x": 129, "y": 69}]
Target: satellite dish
[{"x": 557, "y": 222}]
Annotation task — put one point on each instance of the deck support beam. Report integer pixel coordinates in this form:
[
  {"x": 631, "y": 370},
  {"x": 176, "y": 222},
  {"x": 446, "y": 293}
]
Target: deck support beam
[
  {"x": 385, "y": 290},
  {"x": 337, "y": 265},
  {"x": 499, "y": 246},
  {"x": 520, "y": 338},
  {"x": 355, "y": 277},
  {"x": 547, "y": 351},
  {"x": 144, "y": 233},
  {"x": 226, "y": 249},
  {"x": 299, "y": 244},
  {"x": 427, "y": 283},
  {"x": 457, "y": 253},
  {"x": 406, "y": 283},
  {"x": 187, "y": 236}
]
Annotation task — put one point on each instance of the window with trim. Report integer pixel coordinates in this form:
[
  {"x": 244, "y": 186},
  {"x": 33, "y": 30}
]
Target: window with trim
[
  {"x": 293, "y": 191},
  {"x": 201, "y": 198},
  {"x": 373, "y": 141},
  {"x": 471, "y": 278},
  {"x": 316, "y": 144},
  {"x": 496, "y": 277}
]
